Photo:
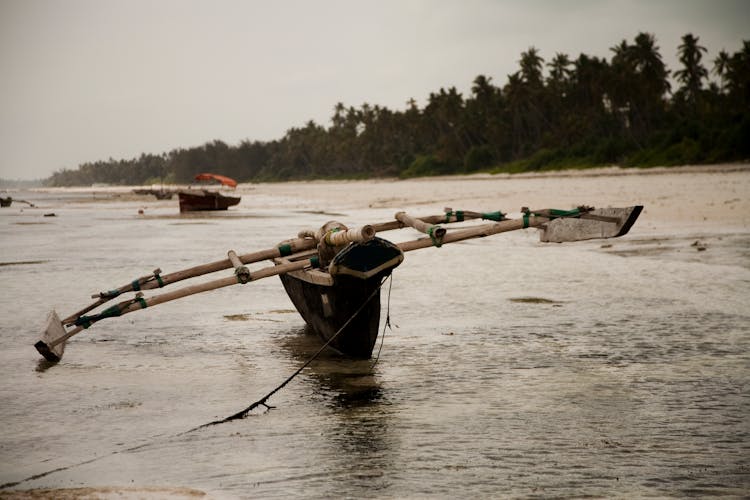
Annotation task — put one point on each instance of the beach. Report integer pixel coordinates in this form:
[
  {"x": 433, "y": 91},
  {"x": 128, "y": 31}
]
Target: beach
[{"x": 512, "y": 368}]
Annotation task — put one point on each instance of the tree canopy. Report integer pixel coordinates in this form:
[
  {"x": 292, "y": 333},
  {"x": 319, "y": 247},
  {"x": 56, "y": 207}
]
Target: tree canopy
[{"x": 586, "y": 111}]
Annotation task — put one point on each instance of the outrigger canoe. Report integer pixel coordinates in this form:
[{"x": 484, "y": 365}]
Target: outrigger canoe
[{"x": 333, "y": 275}]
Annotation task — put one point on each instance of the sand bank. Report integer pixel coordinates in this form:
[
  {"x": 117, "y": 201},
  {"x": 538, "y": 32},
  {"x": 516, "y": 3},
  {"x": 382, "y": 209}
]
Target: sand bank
[{"x": 695, "y": 197}]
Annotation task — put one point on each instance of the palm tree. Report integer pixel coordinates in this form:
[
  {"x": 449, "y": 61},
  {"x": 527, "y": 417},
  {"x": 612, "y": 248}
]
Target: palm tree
[
  {"x": 531, "y": 67},
  {"x": 721, "y": 68},
  {"x": 480, "y": 109},
  {"x": 690, "y": 54},
  {"x": 738, "y": 75},
  {"x": 640, "y": 83}
]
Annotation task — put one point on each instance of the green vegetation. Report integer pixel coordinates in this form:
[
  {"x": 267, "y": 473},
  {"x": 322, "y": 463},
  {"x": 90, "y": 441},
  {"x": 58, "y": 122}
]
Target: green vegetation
[{"x": 584, "y": 112}]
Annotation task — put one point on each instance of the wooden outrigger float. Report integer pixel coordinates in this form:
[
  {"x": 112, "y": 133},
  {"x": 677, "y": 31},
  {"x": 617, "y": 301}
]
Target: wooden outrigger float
[{"x": 333, "y": 275}]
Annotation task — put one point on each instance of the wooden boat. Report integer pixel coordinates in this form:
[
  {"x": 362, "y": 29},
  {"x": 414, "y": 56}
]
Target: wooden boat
[
  {"x": 197, "y": 200},
  {"x": 342, "y": 303},
  {"x": 192, "y": 200},
  {"x": 6, "y": 202},
  {"x": 333, "y": 275}
]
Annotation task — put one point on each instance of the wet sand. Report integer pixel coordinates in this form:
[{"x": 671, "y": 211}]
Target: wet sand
[
  {"x": 694, "y": 226},
  {"x": 697, "y": 196}
]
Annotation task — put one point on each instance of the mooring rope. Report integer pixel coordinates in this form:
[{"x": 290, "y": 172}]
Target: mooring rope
[
  {"x": 262, "y": 401},
  {"x": 387, "y": 320}
]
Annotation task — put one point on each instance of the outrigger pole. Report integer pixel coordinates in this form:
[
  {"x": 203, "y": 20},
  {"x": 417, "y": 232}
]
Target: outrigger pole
[{"x": 557, "y": 225}]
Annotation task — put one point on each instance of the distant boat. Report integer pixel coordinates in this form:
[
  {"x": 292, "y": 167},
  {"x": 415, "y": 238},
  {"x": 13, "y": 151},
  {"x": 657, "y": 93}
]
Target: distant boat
[
  {"x": 6, "y": 202},
  {"x": 193, "y": 200}
]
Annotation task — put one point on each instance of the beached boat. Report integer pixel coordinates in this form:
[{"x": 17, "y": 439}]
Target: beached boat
[
  {"x": 333, "y": 275},
  {"x": 193, "y": 200},
  {"x": 341, "y": 301},
  {"x": 6, "y": 202}
]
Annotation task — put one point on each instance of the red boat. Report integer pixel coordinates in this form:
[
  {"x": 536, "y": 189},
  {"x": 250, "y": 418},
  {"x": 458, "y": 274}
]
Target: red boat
[{"x": 192, "y": 200}]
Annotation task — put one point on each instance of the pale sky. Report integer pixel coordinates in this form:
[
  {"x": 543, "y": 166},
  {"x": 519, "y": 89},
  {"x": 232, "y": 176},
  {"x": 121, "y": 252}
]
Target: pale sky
[{"x": 86, "y": 80}]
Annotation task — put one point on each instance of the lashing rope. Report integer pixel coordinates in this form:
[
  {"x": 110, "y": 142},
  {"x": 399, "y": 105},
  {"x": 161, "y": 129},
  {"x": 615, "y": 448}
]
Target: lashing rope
[
  {"x": 110, "y": 312},
  {"x": 552, "y": 214}
]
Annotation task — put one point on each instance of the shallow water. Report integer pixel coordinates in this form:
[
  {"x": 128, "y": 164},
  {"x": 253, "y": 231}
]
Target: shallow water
[{"x": 512, "y": 368}]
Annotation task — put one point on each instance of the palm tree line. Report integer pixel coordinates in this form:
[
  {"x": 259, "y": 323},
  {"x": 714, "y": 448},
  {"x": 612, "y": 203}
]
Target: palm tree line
[{"x": 563, "y": 113}]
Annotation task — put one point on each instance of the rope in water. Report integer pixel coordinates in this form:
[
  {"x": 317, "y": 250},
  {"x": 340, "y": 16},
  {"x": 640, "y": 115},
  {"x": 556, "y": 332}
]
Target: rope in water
[
  {"x": 387, "y": 321},
  {"x": 262, "y": 401}
]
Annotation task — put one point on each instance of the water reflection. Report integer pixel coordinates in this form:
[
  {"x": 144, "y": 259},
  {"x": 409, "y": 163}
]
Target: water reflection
[
  {"x": 350, "y": 383},
  {"x": 360, "y": 444},
  {"x": 43, "y": 365}
]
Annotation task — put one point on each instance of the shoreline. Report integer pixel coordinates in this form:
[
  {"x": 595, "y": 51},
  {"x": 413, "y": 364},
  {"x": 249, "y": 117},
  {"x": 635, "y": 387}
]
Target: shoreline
[
  {"x": 605, "y": 171},
  {"x": 695, "y": 198}
]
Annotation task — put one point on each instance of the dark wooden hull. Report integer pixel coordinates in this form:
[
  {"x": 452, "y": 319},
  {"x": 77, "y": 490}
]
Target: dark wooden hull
[
  {"x": 327, "y": 308},
  {"x": 205, "y": 200},
  {"x": 344, "y": 309}
]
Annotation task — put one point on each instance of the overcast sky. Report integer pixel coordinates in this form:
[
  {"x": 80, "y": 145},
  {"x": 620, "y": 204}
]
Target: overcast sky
[{"x": 86, "y": 80}]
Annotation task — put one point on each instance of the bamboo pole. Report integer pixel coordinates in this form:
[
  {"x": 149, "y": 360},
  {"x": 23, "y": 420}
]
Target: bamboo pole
[
  {"x": 476, "y": 232},
  {"x": 434, "y": 231},
  {"x": 139, "y": 303},
  {"x": 242, "y": 273},
  {"x": 156, "y": 280},
  {"x": 449, "y": 217},
  {"x": 356, "y": 235}
]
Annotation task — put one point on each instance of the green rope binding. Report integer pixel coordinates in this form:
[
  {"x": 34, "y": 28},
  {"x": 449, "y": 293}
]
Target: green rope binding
[
  {"x": 315, "y": 261},
  {"x": 551, "y": 214},
  {"x": 555, "y": 213},
  {"x": 285, "y": 250},
  {"x": 83, "y": 321},
  {"x": 459, "y": 214},
  {"x": 496, "y": 216},
  {"x": 159, "y": 280},
  {"x": 110, "y": 312},
  {"x": 136, "y": 284}
]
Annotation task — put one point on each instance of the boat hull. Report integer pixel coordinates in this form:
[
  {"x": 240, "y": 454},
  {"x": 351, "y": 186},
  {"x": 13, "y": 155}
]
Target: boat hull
[
  {"x": 327, "y": 309},
  {"x": 205, "y": 200},
  {"x": 342, "y": 306}
]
